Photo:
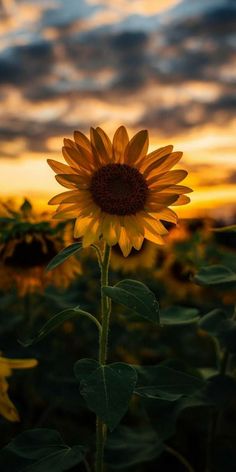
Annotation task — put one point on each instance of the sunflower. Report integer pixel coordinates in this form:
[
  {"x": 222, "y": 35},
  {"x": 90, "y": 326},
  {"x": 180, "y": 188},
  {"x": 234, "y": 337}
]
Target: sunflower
[
  {"x": 145, "y": 258},
  {"x": 7, "y": 409},
  {"x": 117, "y": 191},
  {"x": 28, "y": 241}
]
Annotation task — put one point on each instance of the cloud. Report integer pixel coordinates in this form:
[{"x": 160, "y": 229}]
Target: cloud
[{"x": 149, "y": 66}]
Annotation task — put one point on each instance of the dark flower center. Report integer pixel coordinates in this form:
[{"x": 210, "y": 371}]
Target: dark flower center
[
  {"x": 30, "y": 255},
  {"x": 119, "y": 189}
]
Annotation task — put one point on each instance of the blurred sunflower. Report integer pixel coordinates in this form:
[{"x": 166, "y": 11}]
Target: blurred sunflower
[
  {"x": 117, "y": 190},
  {"x": 176, "y": 275},
  {"x": 28, "y": 241},
  {"x": 7, "y": 409},
  {"x": 145, "y": 258}
]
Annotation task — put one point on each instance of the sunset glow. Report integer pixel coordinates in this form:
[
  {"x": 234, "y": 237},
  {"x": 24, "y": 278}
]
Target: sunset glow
[{"x": 165, "y": 66}]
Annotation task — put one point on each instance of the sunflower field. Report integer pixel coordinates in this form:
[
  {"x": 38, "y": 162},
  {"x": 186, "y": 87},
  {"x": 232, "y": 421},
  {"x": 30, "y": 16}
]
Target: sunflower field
[{"x": 117, "y": 319}]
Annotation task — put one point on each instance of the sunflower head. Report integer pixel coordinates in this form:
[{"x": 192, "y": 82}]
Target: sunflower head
[
  {"x": 28, "y": 241},
  {"x": 117, "y": 191}
]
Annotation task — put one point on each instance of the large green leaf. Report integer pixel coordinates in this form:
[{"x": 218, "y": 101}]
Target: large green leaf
[
  {"x": 107, "y": 391},
  {"x": 217, "y": 323},
  {"x": 215, "y": 275},
  {"x": 40, "y": 450},
  {"x": 56, "y": 321},
  {"x": 128, "y": 448},
  {"x": 179, "y": 315},
  {"x": 166, "y": 383},
  {"x": 63, "y": 255},
  {"x": 136, "y": 296}
]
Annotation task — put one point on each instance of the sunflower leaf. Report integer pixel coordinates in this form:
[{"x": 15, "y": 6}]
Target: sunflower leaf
[
  {"x": 63, "y": 255},
  {"x": 136, "y": 296},
  {"x": 108, "y": 390},
  {"x": 214, "y": 275},
  {"x": 40, "y": 450},
  {"x": 56, "y": 321}
]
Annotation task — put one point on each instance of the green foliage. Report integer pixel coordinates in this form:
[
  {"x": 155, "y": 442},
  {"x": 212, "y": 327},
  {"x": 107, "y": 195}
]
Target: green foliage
[
  {"x": 40, "y": 450},
  {"x": 128, "y": 448},
  {"x": 56, "y": 321},
  {"x": 63, "y": 255},
  {"x": 107, "y": 389},
  {"x": 136, "y": 296},
  {"x": 178, "y": 315},
  {"x": 218, "y": 324},
  {"x": 165, "y": 383},
  {"x": 215, "y": 275}
]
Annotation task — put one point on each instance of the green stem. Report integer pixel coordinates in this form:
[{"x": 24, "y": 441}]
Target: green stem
[
  {"x": 180, "y": 458},
  {"x": 103, "y": 341},
  {"x": 216, "y": 417}
]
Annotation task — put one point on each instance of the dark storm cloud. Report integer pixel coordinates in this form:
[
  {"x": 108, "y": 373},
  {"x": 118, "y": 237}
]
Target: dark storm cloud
[{"x": 26, "y": 64}]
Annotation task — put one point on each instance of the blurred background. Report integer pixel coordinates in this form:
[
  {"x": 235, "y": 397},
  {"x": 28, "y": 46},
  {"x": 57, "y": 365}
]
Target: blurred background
[{"x": 167, "y": 65}]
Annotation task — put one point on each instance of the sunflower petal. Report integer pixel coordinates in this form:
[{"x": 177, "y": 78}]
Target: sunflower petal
[
  {"x": 92, "y": 232},
  {"x": 166, "y": 215},
  {"x": 7, "y": 408},
  {"x": 120, "y": 141},
  {"x": 178, "y": 189},
  {"x": 81, "y": 226},
  {"x": 60, "y": 168},
  {"x": 137, "y": 147},
  {"x": 163, "y": 164},
  {"x": 154, "y": 156},
  {"x": 106, "y": 141},
  {"x": 181, "y": 200},
  {"x": 76, "y": 179},
  {"x": 99, "y": 149},
  {"x": 167, "y": 179},
  {"x": 65, "y": 182},
  {"x": 79, "y": 158},
  {"x": 164, "y": 199},
  {"x": 61, "y": 196},
  {"x": 111, "y": 229},
  {"x": 82, "y": 141},
  {"x": 124, "y": 242}
]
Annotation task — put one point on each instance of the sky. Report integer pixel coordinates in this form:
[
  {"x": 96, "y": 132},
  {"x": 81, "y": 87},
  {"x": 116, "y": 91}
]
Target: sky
[{"x": 168, "y": 66}]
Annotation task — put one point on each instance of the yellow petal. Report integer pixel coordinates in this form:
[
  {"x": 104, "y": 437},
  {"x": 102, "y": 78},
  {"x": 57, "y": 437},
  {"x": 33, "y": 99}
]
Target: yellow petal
[
  {"x": 178, "y": 189},
  {"x": 82, "y": 140},
  {"x": 79, "y": 158},
  {"x": 106, "y": 142},
  {"x": 65, "y": 182},
  {"x": 181, "y": 200},
  {"x": 19, "y": 363},
  {"x": 7, "y": 409},
  {"x": 73, "y": 178},
  {"x": 166, "y": 215},
  {"x": 167, "y": 179},
  {"x": 124, "y": 242},
  {"x": 92, "y": 233},
  {"x": 111, "y": 229},
  {"x": 120, "y": 141},
  {"x": 137, "y": 148},
  {"x": 61, "y": 196},
  {"x": 154, "y": 156},
  {"x": 81, "y": 226},
  {"x": 99, "y": 149},
  {"x": 60, "y": 168},
  {"x": 158, "y": 198},
  {"x": 163, "y": 164}
]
